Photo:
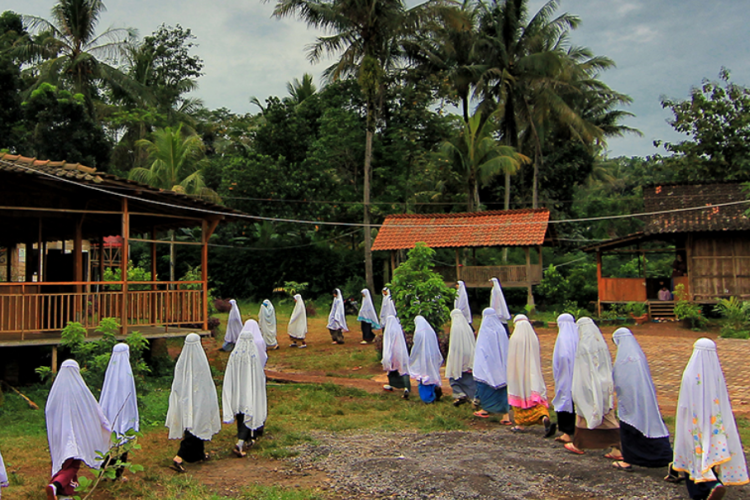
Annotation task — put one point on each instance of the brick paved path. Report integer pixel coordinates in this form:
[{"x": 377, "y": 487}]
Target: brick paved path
[{"x": 668, "y": 348}]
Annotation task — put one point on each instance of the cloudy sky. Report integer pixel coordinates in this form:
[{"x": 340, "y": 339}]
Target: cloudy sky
[{"x": 661, "y": 47}]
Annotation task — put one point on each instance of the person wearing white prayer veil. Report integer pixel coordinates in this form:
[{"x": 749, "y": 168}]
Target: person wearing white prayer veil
[
  {"x": 234, "y": 327},
  {"x": 251, "y": 327},
  {"x": 118, "y": 399},
  {"x": 563, "y": 360},
  {"x": 462, "y": 302},
  {"x": 3, "y": 476},
  {"x": 337, "y": 318},
  {"x": 527, "y": 392},
  {"x": 77, "y": 430},
  {"x": 193, "y": 414},
  {"x": 425, "y": 360},
  {"x": 267, "y": 322},
  {"x": 244, "y": 391},
  {"x": 643, "y": 434},
  {"x": 490, "y": 367},
  {"x": 498, "y": 304},
  {"x": 707, "y": 446},
  {"x": 297, "y": 328},
  {"x": 594, "y": 394},
  {"x": 461, "y": 359},
  {"x": 396, "y": 357},
  {"x": 368, "y": 318},
  {"x": 387, "y": 307}
]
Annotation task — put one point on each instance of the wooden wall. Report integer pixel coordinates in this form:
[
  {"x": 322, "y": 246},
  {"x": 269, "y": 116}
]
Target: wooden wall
[{"x": 719, "y": 265}]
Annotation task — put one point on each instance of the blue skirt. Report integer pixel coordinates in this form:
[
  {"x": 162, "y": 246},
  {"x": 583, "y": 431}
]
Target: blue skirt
[
  {"x": 464, "y": 386},
  {"x": 492, "y": 400},
  {"x": 427, "y": 393}
]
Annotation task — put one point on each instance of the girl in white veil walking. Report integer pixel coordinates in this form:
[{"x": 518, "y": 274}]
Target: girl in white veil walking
[
  {"x": 396, "y": 357},
  {"x": 337, "y": 318},
  {"x": 462, "y": 302},
  {"x": 461, "y": 359},
  {"x": 425, "y": 360},
  {"x": 563, "y": 361},
  {"x": 3, "y": 475},
  {"x": 387, "y": 308},
  {"x": 267, "y": 323},
  {"x": 234, "y": 327},
  {"x": 193, "y": 414},
  {"x": 498, "y": 304},
  {"x": 297, "y": 328},
  {"x": 368, "y": 318}
]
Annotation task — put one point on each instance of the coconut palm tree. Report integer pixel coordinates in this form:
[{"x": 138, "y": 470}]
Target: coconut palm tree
[
  {"x": 301, "y": 90},
  {"x": 67, "y": 51},
  {"x": 479, "y": 156}
]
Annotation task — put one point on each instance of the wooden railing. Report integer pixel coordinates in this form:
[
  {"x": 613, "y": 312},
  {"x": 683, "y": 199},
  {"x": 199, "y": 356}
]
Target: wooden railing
[
  {"x": 479, "y": 276},
  {"x": 48, "y": 307}
]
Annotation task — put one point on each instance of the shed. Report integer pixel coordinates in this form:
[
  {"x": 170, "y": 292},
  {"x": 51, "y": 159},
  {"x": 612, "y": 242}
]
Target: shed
[
  {"x": 705, "y": 228},
  {"x": 526, "y": 228},
  {"x": 44, "y": 204}
]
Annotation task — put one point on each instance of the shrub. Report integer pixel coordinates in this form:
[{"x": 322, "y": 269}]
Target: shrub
[
  {"x": 135, "y": 273},
  {"x": 687, "y": 311},
  {"x": 418, "y": 290},
  {"x": 554, "y": 288},
  {"x": 637, "y": 309},
  {"x": 737, "y": 315}
]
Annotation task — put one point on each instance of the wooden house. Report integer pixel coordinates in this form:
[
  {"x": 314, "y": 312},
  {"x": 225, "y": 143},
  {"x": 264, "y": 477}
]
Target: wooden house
[
  {"x": 706, "y": 231},
  {"x": 501, "y": 228},
  {"x": 44, "y": 204}
]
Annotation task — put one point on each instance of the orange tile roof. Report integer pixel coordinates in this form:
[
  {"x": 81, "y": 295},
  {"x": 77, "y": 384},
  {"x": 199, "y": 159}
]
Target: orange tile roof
[{"x": 502, "y": 228}]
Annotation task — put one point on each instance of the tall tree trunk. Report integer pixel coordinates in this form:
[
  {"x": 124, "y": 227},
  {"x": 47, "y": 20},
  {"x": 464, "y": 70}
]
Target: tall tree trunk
[
  {"x": 506, "y": 206},
  {"x": 535, "y": 182},
  {"x": 369, "y": 277}
]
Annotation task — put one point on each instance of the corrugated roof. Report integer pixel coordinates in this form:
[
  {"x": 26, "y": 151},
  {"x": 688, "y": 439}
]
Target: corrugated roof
[
  {"x": 471, "y": 229},
  {"x": 713, "y": 218}
]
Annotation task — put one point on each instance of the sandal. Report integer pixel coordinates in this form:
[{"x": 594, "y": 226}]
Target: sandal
[
  {"x": 717, "y": 493},
  {"x": 238, "y": 452},
  {"x": 549, "y": 428},
  {"x": 620, "y": 465},
  {"x": 560, "y": 439},
  {"x": 517, "y": 429},
  {"x": 506, "y": 422},
  {"x": 206, "y": 456},
  {"x": 177, "y": 466},
  {"x": 672, "y": 475},
  {"x": 481, "y": 414},
  {"x": 613, "y": 457},
  {"x": 572, "y": 448}
]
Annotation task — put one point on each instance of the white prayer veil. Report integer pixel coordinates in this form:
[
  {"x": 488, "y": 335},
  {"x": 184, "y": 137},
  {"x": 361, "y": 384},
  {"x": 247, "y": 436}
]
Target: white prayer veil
[
  {"x": 526, "y": 387},
  {"x": 387, "y": 307},
  {"x": 636, "y": 395},
  {"x": 367, "y": 312},
  {"x": 193, "y": 404},
  {"x": 497, "y": 301},
  {"x": 461, "y": 346},
  {"x": 491, "y": 353},
  {"x": 462, "y": 301},
  {"x": 395, "y": 353},
  {"x": 298, "y": 321},
  {"x": 425, "y": 358},
  {"x": 337, "y": 316},
  {"x": 234, "y": 324},
  {"x": 3, "y": 474},
  {"x": 563, "y": 361},
  {"x": 267, "y": 322},
  {"x": 244, "y": 389},
  {"x": 705, "y": 431},
  {"x": 519, "y": 317},
  {"x": 251, "y": 326},
  {"x": 593, "y": 387},
  {"x": 76, "y": 425},
  {"x": 118, "y": 399}
]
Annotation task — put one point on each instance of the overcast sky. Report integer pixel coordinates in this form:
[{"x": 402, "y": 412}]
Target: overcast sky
[{"x": 661, "y": 47}]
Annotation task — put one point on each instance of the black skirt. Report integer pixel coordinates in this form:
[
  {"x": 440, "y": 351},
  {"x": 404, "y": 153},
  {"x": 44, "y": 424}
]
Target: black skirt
[
  {"x": 367, "y": 334},
  {"x": 638, "y": 449},
  {"x": 191, "y": 448},
  {"x": 566, "y": 422},
  {"x": 398, "y": 381}
]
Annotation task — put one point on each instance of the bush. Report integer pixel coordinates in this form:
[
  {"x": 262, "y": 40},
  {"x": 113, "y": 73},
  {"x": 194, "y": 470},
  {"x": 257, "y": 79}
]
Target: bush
[
  {"x": 637, "y": 309},
  {"x": 737, "y": 315},
  {"x": 687, "y": 311},
  {"x": 554, "y": 288},
  {"x": 418, "y": 290},
  {"x": 135, "y": 273}
]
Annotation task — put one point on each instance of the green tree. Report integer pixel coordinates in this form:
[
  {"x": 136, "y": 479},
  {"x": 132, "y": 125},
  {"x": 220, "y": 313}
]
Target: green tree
[
  {"x": 301, "y": 90},
  {"x": 479, "y": 157},
  {"x": 717, "y": 119},
  {"x": 11, "y": 84}
]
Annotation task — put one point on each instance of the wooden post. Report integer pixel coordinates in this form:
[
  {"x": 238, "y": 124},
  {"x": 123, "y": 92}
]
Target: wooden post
[
  {"x": 599, "y": 281},
  {"x": 9, "y": 262},
  {"x": 208, "y": 228},
  {"x": 54, "y": 359},
  {"x": 101, "y": 260},
  {"x": 393, "y": 261},
  {"x": 124, "y": 267},
  {"x": 458, "y": 266},
  {"x": 689, "y": 265},
  {"x": 39, "y": 267},
  {"x": 29, "y": 271},
  {"x": 530, "y": 295},
  {"x": 153, "y": 277}
]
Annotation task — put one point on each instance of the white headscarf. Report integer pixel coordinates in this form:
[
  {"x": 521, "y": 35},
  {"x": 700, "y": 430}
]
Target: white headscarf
[
  {"x": 267, "y": 322},
  {"x": 118, "y": 399},
  {"x": 193, "y": 404},
  {"x": 337, "y": 317},
  {"x": 251, "y": 326},
  {"x": 234, "y": 323},
  {"x": 526, "y": 387},
  {"x": 387, "y": 308},
  {"x": 491, "y": 353},
  {"x": 636, "y": 396},
  {"x": 563, "y": 360},
  {"x": 593, "y": 387},
  {"x": 76, "y": 425},
  {"x": 244, "y": 389},
  {"x": 298, "y": 321},
  {"x": 367, "y": 312},
  {"x": 497, "y": 301},
  {"x": 705, "y": 431},
  {"x": 462, "y": 301},
  {"x": 395, "y": 353},
  {"x": 461, "y": 347},
  {"x": 3, "y": 474},
  {"x": 425, "y": 358},
  {"x": 519, "y": 317}
]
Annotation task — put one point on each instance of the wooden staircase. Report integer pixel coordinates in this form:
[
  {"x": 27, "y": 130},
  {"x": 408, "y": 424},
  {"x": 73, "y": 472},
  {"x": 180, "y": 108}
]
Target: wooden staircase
[{"x": 661, "y": 309}]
